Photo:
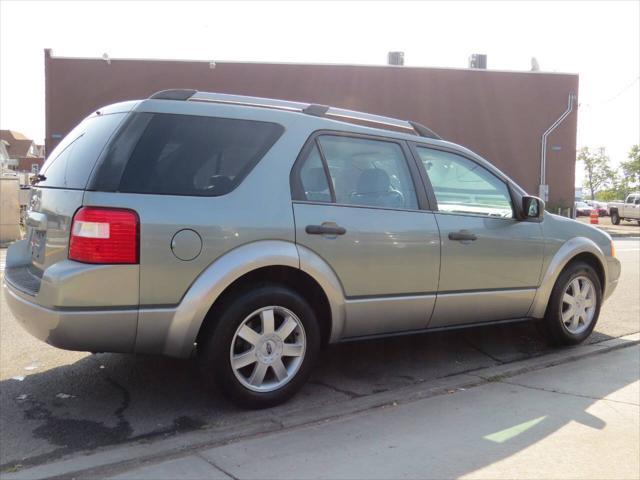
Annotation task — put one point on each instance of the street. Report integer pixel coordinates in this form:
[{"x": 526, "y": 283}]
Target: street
[{"x": 55, "y": 403}]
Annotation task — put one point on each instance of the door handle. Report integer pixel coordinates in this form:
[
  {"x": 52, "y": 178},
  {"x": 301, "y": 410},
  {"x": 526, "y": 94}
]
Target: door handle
[
  {"x": 462, "y": 236},
  {"x": 325, "y": 230}
]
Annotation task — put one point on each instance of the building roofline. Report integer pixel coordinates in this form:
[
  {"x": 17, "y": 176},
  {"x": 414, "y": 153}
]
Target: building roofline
[{"x": 49, "y": 54}]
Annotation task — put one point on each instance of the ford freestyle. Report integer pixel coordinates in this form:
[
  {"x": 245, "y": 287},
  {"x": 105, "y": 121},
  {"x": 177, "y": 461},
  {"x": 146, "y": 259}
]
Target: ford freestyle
[{"x": 251, "y": 232}]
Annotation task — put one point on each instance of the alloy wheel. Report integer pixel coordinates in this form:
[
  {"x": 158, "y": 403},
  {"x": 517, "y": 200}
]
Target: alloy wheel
[
  {"x": 268, "y": 348},
  {"x": 578, "y": 305}
]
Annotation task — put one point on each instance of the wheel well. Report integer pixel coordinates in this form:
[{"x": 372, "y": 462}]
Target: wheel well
[
  {"x": 290, "y": 277},
  {"x": 592, "y": 260}
]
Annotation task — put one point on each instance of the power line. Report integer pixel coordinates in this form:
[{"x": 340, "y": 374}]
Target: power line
[{"x": 623, "y": 90}]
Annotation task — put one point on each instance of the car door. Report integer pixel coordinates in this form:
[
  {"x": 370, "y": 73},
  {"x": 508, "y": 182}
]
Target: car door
[
  {"x": 632, "y": 207},
  {"x": 356, "y": 206},
  {"x": 491, "y": 262}
]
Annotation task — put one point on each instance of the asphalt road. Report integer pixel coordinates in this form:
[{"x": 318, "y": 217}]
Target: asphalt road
[{"x": 54, "y": 402}]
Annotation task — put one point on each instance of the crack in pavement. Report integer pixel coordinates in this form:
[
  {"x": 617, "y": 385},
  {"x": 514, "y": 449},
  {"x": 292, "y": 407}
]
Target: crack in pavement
[
  {"x": 210, "y": 462},
  {"x": 348, "y": 393},
  {"x": 566, "y": 393},
  {"x": 478, "y": 349}
]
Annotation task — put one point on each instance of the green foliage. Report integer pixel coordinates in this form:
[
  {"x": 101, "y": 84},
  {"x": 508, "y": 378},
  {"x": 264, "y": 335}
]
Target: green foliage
[
  {"x": 608, "y": 195},
  {"x": 606, "y": 183},
  {"x": 598, "y": 173},
  {"x": 631, "y": 167}
]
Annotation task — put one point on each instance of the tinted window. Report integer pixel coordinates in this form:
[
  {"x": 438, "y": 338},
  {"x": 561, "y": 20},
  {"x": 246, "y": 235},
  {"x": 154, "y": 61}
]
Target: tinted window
[
  {"x": 631, "y": 199},
  {"x": 191, "y": 155},
  {"x": 368, "y": 172},
  {"x": 71, "y": 162},
  {"x": 463, "y": 186},
  {"x": 313, "y": 178}
]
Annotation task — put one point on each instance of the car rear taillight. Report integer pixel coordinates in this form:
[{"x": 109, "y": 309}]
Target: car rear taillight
[{"x": 104, "y": 235}]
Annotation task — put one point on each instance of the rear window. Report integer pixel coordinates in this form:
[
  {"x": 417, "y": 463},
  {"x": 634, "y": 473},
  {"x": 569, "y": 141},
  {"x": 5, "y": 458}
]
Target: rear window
[
  {"x": 194, "y": 155},
  {"x": 71, "y": 162}
]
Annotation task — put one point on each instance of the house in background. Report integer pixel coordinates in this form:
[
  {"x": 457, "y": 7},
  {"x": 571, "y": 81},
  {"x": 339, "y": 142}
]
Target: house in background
[
  {"x": 5, "y": 161},
  {"x": 24, "y": 154}
]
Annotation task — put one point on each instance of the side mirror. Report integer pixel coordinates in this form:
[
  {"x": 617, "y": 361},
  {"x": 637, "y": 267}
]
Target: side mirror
[{"x": 532, "y": 208}]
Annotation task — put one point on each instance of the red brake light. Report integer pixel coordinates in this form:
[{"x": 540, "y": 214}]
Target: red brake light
[{"x": 104, "y": 235}]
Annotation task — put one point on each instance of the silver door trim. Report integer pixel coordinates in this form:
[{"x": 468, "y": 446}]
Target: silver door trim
[
  {"x": 393, "y": 314},
  {"x": 481, "y": 306}
]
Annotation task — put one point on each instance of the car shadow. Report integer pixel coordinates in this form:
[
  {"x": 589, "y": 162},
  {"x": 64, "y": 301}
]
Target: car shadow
[
  {"x": 109, "y": 399},
  {"x": 490, "y": 431}
]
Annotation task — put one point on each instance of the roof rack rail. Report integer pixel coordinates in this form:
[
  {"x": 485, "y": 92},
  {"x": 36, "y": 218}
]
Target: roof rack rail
[
  {"x": 307, "y": 108},
  {"x": 173, "y": 94}
]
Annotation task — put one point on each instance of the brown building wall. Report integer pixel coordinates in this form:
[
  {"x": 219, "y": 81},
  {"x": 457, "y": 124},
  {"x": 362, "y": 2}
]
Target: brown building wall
[{"x": 499, "y": 115}]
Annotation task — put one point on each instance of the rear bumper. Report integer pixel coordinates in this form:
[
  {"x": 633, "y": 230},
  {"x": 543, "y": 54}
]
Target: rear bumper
[{"x": 106, "y": 330}]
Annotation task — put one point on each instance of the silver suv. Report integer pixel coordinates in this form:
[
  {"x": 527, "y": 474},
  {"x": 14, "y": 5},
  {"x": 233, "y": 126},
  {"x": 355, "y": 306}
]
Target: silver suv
[{"x": 251, "y": 232}]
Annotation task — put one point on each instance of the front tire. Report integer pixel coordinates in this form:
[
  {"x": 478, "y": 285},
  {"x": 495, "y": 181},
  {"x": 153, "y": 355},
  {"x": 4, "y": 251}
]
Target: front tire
[
  {"x": 263, "y": 346},
  {"x": 615, "y": 218},
  {"x": 574, "y": 305}
]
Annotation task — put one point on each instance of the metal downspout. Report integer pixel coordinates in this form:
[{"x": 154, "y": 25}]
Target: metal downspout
[{"x": 543, "y": 193}]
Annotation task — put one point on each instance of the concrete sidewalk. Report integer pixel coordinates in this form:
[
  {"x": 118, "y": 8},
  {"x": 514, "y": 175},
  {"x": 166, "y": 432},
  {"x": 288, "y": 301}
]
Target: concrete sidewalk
[{"x": 575, "y": 420}]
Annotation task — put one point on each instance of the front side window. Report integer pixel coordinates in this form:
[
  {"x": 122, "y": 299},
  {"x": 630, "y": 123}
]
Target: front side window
[
  {"x": 462, "y": 186},
  {"x": 365, "y": 172},
  {"x": 193, "y": 155}
]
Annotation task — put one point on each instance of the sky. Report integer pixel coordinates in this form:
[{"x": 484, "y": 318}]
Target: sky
[{"x": 598, "y": 40}]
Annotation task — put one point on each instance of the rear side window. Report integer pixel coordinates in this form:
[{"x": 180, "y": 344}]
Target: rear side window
[
  {"x": 314, "y": 179},
  {"x": 72, "y": 161},
  {"x": 193, "y": 155},
  {"x": 368, "y": 172}
]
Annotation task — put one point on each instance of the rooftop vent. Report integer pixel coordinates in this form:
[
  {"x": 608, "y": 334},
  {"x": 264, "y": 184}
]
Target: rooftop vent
[
  {"x": 478, "y": 60},
  {"x": 395, "y": 58}
]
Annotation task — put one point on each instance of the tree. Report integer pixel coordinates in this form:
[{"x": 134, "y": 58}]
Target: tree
[
  {"x": 598, "y": 173},
  {"x": 631, "y": 167}
]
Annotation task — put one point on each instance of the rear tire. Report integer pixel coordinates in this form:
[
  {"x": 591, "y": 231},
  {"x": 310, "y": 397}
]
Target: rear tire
[
  {"x": 574, "y": 305},
  {"x": 262, "y": 348},
  {"x": 615, "y": 218}
]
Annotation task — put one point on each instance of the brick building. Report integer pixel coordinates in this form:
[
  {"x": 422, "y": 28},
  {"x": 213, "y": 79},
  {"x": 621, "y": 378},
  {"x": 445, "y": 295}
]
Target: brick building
[{"x": 498, "y": 114}]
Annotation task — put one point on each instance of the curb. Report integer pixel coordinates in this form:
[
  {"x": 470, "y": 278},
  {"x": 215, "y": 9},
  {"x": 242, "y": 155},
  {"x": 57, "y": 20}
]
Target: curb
[
  {"x": 623, "y": 235},
  {"x": 122, "y": 458}
]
